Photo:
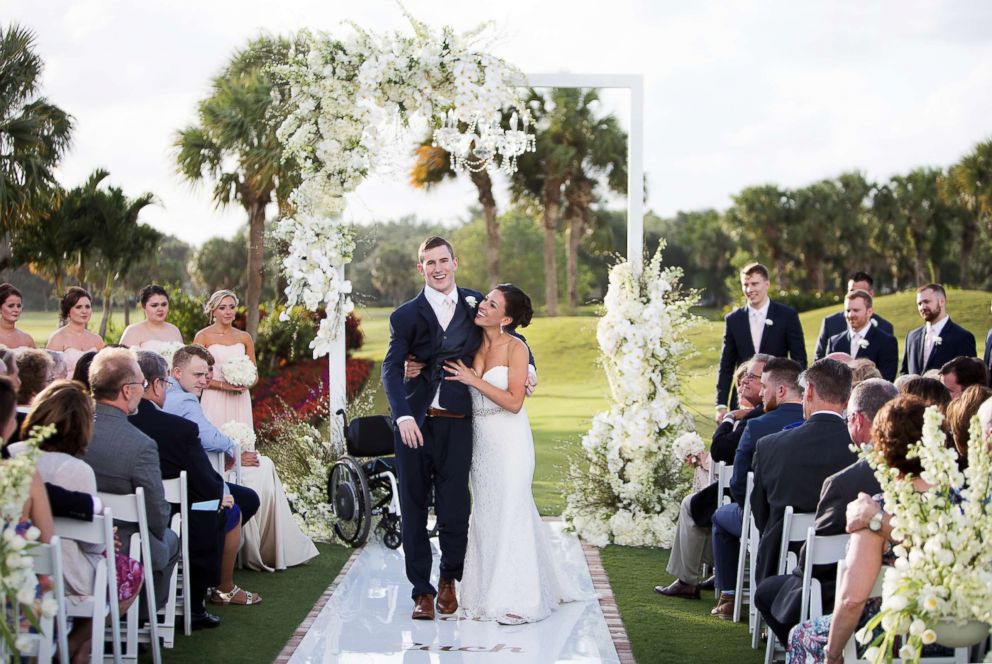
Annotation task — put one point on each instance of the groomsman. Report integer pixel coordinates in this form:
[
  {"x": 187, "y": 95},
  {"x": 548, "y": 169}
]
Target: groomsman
[
  {"x": 759, "y": 326},
  {"x": 939, "y": 339},
  {"x": 836, "y": 323},
  {"x": 862, "y": 339}
]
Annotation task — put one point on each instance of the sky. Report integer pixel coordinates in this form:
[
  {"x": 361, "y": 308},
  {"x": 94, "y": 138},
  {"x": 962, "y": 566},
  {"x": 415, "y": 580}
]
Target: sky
[{"x": 736, "y": 94}]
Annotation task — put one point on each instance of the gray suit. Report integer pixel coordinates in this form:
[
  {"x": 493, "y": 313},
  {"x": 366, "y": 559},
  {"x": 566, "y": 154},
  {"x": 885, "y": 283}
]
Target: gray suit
[{"x": 123, "y": 458}]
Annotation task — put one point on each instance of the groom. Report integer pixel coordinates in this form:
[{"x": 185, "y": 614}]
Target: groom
[{"x": 433, "y": 429}]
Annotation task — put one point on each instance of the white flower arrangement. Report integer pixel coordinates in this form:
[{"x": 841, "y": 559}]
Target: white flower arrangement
[
  {"x": 863, "y": 343},
  {"x": 471, "y": 301},
  {"x": 240, "y": 433},
  {"x": 628, "y": 485},
  {"x": 351, "y": 103},
  {"x": 17, "y": 579},
  {"x": 937, "y": 340},
  {"x": 169, "y": 350},
  {"x": 769, "y": 322},
  {"x": 240, "y": 371},
  {"x": 943, "y": 567}
]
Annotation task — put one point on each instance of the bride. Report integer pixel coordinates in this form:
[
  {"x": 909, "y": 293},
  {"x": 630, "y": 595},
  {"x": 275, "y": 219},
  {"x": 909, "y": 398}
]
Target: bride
[{"x": 509, "y": 574}]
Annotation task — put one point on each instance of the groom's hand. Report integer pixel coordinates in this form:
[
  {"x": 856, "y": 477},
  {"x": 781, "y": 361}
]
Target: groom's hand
[
  {"x": 412, "y": 368},
  {"x": 531, "y": 384},
  {"x": 410, "y": 433}
]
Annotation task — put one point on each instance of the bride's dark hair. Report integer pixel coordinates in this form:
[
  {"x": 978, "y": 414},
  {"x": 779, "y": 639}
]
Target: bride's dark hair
[{"x": 518, "y": 306}]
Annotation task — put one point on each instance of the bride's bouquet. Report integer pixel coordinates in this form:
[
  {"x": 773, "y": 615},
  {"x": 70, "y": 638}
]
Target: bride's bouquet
[
  {"x": 240, "y": 372},
  {"x": 943, "y": 567},
  {"x": 240, "y": 433}
]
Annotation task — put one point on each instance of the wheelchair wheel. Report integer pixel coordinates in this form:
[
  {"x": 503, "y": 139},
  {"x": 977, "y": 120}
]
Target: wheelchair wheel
[
  {"x": 351, "y": 501},
  {"x": 391, "y": 536}
]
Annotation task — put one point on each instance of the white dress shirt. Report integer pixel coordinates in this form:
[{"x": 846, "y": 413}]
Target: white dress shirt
[
  {"x": 444, "y": 307},
  {"x": 932, "y": 332},
  {"x": 756, "y": 318},
  {"x": 857, "y": 336}
]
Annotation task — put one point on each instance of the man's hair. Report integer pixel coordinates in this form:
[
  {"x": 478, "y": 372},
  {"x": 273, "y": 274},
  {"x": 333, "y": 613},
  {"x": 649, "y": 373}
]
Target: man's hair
[
  {"x": 433, "y": 242},
  {"x": 936, "y": 288},
  {"x": 153, "y": 365},
  {"x": 764, "y": 358},
  {"x": 33, "y": 367},
  {"x": 931, "y": 390},
  {"x": 861, "y": 276},
  {"x": 863, "y": 369},
  {"x": 858, "y": 293},
  {"x": 754, "y": 268},
  {"x": 110, "y": 369},
  {"x": 870, "y": 395},
  {"x": 65, "y": 404},
  {"x": 832, "y": 380},
  {"x": 783, "y": 371},
  {"x": 182, "y": 357},
  {"x": 967, "y": 370}
]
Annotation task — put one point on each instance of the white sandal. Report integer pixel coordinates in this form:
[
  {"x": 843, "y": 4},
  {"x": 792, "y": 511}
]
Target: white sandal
[{"x": 220, "y": 597}]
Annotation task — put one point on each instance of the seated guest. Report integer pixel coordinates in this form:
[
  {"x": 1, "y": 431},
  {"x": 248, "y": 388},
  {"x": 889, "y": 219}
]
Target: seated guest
[
  {"x": 9, "y": 359},
  {"x": 60, "y": 369},
  {"x": 66, "y": 406},
  {"x": 961, "y": 373},
  {"x": 959, "y": 414},
  {"x": 898, "y": 425},
  {"x": 123, "y": 458},
  {"x": 790, "y": 467},
  {"x": 691, "y": 548},
  {"x": 33, "y": 366},
  {"x": 81, "y": 372},
  {"x": 779, "y": 598},
  {"x": 901, "y": 381},
  {"x": 987, "y": 357},
  {"x": 212, "y": 534},
  {"x": 939, "y": 339},
  {"x": 862, "y": 370},
  {"x": 782, "y": 399},
  {"x": 931, "y": 390},
  {"x": 837, "y": 323},
  {"x": 861, "y": 339}
]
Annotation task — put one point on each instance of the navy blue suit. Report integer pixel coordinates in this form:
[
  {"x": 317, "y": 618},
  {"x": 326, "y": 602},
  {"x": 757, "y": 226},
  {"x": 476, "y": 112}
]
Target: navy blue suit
[
  {"x": 835, "y": 324},
  {"x": 882, "y": 349},
  {"x": 955, "y": 341},
  {"x": 443, "y": 463},
  {"x": 988, "y": 353},
  {"x": 771, "y": 422},
  {"x": 783, "y": 338}
]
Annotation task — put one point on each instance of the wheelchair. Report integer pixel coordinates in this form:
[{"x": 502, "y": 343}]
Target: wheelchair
[{"x": 362, "y": 483}]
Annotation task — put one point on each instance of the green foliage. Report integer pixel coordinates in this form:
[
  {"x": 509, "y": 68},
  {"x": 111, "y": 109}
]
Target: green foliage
[
  {"x": 279, "y": 342},
  {"x": 186, "y": 311},
  {"x": 220, "y": 263}
]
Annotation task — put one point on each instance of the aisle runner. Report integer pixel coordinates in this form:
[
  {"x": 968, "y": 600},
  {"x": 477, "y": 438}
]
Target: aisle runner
[{"x": 367, "y": 619}]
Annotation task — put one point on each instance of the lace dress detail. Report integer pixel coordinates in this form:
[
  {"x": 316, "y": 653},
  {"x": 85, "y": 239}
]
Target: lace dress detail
[{"x": 510, "y": 575}]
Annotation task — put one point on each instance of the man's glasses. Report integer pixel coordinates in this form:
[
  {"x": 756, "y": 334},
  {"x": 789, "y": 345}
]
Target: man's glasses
[{"x": 143, "y": 384}]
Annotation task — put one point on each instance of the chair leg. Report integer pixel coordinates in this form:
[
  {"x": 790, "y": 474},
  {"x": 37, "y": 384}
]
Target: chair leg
[{"x": 770, "y": 647}]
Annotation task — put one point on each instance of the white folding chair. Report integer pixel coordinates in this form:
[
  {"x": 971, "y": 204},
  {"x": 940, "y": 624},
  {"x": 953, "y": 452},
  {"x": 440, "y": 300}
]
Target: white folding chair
[
  {"x": 820, "y": 550},
  {"x": 103, "y": 601},
  {"x": 131, "y": 509},
  {"x": 46, "y": 559},
  {"x": 794, "y": 529},
  {"x": 220, "y": 461},
  {"x": 175, "y": 494},
  {"x": 742, "y": 558},
  {"x": 723, "y": 474},
  {"x": 960, "y": 656},
  {"x": 753, "y": 617},
  {"x": 711, "y": 471}
]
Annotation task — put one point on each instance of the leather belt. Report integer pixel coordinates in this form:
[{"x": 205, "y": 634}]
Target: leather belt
[{"x": 438, "y": 412}]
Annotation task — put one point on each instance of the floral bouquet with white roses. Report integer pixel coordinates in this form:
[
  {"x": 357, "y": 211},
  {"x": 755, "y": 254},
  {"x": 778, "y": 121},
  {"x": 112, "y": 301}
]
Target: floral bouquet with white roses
[
  {"x": 240, "y": 371},
  {"x": 169, "y": 350},
  {"x": 943, "y": 567},
  {"x": 628, "y": 485},
  {"x": 18, "y": 582},
  {"x": 240, "y": 433}
]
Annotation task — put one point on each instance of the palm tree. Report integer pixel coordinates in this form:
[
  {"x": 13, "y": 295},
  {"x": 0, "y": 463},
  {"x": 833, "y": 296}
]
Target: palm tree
[
  {"x": 34, "y": 134},
  {"x": 968, "y": 185},
  {"x": 432, "y": 165},
  {"x": 235, "y": 146}
]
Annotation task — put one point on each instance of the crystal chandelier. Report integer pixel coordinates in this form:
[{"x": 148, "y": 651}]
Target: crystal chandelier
[{"x": 484, "y": 144}]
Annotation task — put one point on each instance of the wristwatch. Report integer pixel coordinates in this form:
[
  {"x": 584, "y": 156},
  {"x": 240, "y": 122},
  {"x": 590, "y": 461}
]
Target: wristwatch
[{"x": 875, "y": 525}]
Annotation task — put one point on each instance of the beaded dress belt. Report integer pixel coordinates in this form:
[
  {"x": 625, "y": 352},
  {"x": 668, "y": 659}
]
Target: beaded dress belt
[{"x": 438, "y": 412}]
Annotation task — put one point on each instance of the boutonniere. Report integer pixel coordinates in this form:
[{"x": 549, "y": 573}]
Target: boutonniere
[
  {"x": 769, "y": 322},
  {"x": 471, "y": 301},
  {"x": 874, "y": 322},
  {"x": 863, "y": 343},
  {"x": 936, "y": 340}
]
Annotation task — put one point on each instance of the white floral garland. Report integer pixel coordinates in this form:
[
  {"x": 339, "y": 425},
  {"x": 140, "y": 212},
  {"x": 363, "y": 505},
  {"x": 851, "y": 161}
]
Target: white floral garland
[
  {"x": 349, "y": 100},
  {"x": 628, "y": 488}
]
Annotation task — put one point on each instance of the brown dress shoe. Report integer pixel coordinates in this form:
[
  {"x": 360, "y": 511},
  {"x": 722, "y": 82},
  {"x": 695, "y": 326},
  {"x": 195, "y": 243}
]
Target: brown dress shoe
[
  {"x": 423, "y": 607},
  {"x": 447, "y": 603},
  {"x": 724, "y": 608},
  {"x": 678, "y": 589}
]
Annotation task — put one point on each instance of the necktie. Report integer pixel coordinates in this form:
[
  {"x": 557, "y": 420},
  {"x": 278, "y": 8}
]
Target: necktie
[
  {"x": 855, "y": 338},
  {"x": 756, "y": 330},
  {"x": 927, "y": 346},
  {"x": 447, "y": 313}
]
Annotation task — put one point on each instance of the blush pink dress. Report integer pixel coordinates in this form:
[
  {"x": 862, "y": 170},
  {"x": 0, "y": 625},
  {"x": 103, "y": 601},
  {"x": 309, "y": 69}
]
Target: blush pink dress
[{"x": 273, "y": 540}]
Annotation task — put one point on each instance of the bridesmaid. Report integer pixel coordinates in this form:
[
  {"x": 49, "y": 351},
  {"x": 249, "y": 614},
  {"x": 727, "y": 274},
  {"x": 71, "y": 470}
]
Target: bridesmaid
[
  {"x": 10, "y": 312},
  {"x": 223, "y": 402},
  {"x": 153, "y": 333},
  {"x": 73, "y": 339}
]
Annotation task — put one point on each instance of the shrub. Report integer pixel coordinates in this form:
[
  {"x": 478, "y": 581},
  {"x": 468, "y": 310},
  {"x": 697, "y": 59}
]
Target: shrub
[{"x": 302, "y": 387}]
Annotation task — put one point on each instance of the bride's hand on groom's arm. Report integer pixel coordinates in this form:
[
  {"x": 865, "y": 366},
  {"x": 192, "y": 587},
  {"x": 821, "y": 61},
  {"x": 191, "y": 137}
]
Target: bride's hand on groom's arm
[{"x": 460, "y": 372}]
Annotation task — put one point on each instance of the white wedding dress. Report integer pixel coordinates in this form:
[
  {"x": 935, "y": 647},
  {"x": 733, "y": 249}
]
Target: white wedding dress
[{"x": 509, "y": 575}]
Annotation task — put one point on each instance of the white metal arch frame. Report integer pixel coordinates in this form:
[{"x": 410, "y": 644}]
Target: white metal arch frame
[{"x": 635, "y": 192}]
